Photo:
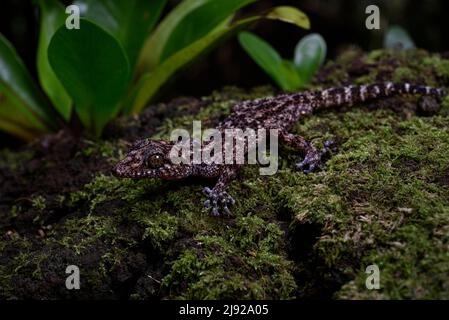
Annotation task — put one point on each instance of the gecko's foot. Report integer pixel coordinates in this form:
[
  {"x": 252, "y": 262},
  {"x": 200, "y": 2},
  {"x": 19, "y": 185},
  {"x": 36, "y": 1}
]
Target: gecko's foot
[
  {"x": 314, "y": 158},
  {"x": 218, "y": 201}
]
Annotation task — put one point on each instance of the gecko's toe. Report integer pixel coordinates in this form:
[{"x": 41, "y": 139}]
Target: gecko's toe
[
  {"x": 207, "y": 190},
  {"x": 226, "y": 210},
  {"x": 226, "y": 198},
  {"x": 328, "y": 144}
]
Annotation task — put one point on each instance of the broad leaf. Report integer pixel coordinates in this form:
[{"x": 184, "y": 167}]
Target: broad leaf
[
  {"x": 281, "y": 71},
  {"x": 153, "y": 46},
  {"x": 17, "y": 120},
  {"x": 397, "y": 37},
  {"x": 130, "y": 21},
  {"x": 180, "y": 19},
  {"x": 52, "y": 17},
  {"x": 151, "y": 82},
  {"x": 24, "y": 111},
  {"x": 93, "y": 68},
  {"x": 198, "y": 23},
  {"x": 290, "y": 15},
  {"x": 310, "y": 53}
]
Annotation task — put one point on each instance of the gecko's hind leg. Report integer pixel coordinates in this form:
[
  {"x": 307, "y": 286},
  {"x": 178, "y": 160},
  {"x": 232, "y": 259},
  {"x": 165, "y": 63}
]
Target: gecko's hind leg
[{"x": 313, "y": 158}]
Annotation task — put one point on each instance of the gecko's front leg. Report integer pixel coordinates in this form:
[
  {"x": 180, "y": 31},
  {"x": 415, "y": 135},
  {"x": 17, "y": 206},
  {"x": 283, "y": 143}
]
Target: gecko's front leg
[{"x": 218, "y": 200}]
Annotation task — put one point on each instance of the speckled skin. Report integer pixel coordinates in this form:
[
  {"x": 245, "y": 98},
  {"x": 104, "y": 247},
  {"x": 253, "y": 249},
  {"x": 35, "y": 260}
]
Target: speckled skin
[{"x": 150, "y": 158}]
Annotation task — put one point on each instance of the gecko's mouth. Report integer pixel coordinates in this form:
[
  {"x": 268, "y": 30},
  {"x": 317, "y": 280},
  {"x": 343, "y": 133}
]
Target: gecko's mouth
[{"x": 123, "y": 171}]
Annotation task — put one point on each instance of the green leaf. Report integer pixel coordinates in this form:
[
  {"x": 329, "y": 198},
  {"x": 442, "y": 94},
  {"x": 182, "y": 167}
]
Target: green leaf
[
  {"x": 310, "y": 53},
  {"x": 290, "y": 15},
  {"x": 151, "y": 82},
  {"x": 130, "y": 21},
  {"x": 24, "y": 111},
  {"x": 16, "y": 120},
  {"x": 397, "y": 37},
  {"x": 281, "y": 71},
  {"x": 93, "y": 68},
  {"x": 198, "y": 23},
  {"x": 52, "y": 17},
  {"x": 263, "y": 54},
  {"x": 288, "y": 76},
  {"x": 180, "y": 25}
]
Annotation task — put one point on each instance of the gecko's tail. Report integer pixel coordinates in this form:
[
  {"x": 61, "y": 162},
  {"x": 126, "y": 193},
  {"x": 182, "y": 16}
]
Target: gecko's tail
[{"x": 354, "y": 94}]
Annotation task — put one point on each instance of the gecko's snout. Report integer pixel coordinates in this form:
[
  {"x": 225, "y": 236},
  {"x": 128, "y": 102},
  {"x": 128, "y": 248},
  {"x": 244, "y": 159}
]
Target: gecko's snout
[
  {"x": 118, "y": 170},
  {"x": 132, "y": 167},
  {"x": 125, "y": 167}
]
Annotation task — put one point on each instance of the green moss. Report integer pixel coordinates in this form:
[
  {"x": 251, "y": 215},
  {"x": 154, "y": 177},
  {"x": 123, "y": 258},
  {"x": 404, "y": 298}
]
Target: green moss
[
  {"x": 39, "y": 203},
  {"x": 93, "y": 228},
  {"x": 403, "y": 74},
  {"x": 445, "y": 106},
  {"x": 377, "y": 200},
  {"x": 105, "y": 149},
  {"x": 24, "y": 261},
  {"x": 110, "y": 260},
  {"x": 242, "y": 263},
  {"x": 415, "y": 265},
  {"x": 160, "y": 229},
  {"x": 376, "y": 55},
  {"x": 438, "y": 65}
]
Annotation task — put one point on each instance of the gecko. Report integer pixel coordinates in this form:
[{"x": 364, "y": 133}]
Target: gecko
[{"x": 149, "y": 158}]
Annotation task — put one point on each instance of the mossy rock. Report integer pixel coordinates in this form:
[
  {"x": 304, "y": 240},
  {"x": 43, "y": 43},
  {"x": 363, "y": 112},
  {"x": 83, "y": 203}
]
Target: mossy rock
[{"x": 382, "y": 198}]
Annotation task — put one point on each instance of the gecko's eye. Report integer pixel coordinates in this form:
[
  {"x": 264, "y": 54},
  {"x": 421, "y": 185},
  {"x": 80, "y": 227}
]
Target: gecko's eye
[{"x": 155, "y": 161}]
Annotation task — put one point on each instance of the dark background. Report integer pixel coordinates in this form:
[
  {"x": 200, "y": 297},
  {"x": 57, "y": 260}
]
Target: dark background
[{"x": 341, "y": 22}]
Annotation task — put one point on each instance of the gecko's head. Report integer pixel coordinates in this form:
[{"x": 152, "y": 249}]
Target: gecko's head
[{"x": 150, "y": 159}]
